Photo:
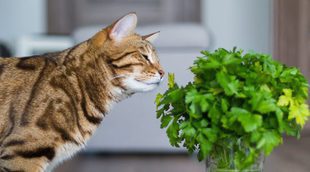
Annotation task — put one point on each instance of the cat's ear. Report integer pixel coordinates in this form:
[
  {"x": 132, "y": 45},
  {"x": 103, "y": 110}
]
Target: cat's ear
[
  {"x": 151, "y": 37},
  {"x": 123, "y": 27}
]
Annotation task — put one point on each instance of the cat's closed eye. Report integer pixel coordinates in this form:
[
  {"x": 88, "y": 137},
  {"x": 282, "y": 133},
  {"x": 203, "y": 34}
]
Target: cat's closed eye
[{"x": 146, "y": 57}]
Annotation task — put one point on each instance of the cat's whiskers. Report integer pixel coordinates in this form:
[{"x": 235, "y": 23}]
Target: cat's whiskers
[{"x": 118, "y": 76}]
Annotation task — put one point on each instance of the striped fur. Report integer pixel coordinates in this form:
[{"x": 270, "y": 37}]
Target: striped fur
[{"x": 51, "y": 104}]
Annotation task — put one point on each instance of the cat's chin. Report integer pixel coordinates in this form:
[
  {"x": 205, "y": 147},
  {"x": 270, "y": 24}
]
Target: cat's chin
[{"x": 138, "y": 86}]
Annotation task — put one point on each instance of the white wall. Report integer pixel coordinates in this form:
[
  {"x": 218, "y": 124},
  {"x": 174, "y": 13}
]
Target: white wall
[
  {"x": 246, "y": 24},
  {"x": 20, "y": 17}
]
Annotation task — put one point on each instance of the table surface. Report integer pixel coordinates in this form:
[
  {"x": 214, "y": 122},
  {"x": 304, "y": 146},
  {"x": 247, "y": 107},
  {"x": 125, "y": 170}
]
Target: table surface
[{"x": 292, "y": 156}]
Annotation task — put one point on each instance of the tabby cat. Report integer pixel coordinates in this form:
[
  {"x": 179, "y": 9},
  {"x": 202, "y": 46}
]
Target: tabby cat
[{"x": 51, "y": 104}]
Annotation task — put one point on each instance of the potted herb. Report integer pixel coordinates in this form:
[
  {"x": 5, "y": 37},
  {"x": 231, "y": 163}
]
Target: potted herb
[{"x": 236, "y": 110}]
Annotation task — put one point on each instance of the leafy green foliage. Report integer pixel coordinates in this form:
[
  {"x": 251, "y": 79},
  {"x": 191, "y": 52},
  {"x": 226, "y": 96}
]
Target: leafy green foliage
[{"x": 234, "y": 98}]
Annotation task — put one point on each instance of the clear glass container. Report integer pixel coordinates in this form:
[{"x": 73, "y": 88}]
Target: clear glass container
[{"x": 222, "y": 160}]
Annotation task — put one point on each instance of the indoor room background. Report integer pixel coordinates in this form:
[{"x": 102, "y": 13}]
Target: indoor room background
[{"x": 130, "y": 138}]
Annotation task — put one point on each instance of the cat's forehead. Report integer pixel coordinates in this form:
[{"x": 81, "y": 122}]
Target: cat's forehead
[{"x": 140, "y": 44}]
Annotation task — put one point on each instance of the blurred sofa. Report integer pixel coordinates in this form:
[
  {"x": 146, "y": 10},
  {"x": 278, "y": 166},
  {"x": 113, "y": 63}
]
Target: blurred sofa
[{"x": 132, "y": 126}]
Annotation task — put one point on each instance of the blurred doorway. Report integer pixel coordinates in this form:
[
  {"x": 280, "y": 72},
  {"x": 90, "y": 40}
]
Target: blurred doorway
[{"x": 292, "y": 33}]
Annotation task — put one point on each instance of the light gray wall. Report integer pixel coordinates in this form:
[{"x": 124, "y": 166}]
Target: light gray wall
[
  {"x": 20, "y": 17},
  {"x": 243, "y": 23}
]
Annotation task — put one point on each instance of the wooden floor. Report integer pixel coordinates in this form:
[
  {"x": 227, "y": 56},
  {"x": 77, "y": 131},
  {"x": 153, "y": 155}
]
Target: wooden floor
[{"x": 292, "y": 156}]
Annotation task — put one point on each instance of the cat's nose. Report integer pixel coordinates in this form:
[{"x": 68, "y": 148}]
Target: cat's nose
[{"x": 161, "y": 73}]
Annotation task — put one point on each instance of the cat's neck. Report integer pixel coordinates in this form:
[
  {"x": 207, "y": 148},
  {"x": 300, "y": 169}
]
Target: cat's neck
[{"x": 101, "y": 88}]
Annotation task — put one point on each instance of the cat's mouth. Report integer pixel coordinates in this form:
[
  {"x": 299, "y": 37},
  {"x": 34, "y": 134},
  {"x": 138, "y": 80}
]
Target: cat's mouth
[
  {"x": 153, "y": 83},
  {"x": 150, "y": 83}
]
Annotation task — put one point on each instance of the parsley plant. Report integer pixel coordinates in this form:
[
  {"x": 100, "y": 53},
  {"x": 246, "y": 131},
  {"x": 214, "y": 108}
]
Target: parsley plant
[{"x": 235, "y": 97}]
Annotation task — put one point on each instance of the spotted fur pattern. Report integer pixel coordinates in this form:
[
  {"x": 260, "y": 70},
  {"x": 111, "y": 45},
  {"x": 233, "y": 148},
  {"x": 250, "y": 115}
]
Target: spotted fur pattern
[{"x": 51, "y": 104}]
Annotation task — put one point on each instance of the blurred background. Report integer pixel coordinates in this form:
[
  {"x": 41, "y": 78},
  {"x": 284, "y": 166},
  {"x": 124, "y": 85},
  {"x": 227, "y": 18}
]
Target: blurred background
[{"x": 130, "y": 139}]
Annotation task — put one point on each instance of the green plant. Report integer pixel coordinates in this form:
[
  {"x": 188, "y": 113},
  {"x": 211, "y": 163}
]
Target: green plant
[{"x": 235, "y": 97}]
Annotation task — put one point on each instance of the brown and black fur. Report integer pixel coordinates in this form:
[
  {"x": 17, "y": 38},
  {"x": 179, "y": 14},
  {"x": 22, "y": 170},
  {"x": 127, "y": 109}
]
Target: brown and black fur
[{"x": 60, "y": 98}]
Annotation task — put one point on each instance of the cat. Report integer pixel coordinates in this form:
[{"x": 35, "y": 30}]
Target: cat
[{"x": 51, "y": 104}]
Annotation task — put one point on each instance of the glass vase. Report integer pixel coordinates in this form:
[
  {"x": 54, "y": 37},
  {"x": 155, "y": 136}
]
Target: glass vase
[{"x": 222, "y": 159}]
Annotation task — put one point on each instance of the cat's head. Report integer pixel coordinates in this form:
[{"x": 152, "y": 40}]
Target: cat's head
[{"x": 131, "y": 57}]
